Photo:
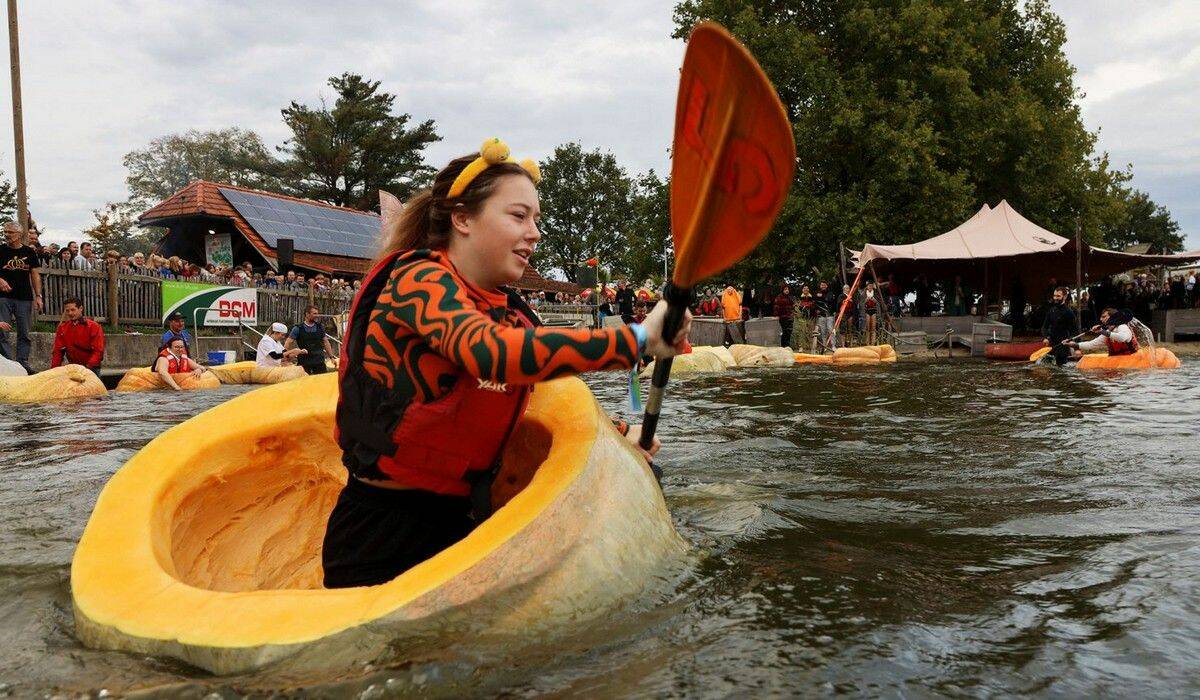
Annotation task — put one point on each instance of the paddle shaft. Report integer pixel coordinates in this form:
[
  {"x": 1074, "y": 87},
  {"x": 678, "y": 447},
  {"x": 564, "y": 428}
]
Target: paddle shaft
[{"x": 677, "y": 299}]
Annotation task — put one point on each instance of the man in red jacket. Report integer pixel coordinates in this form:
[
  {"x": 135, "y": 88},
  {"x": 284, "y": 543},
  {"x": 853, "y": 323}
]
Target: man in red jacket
[{"x": 79, "y": 340}]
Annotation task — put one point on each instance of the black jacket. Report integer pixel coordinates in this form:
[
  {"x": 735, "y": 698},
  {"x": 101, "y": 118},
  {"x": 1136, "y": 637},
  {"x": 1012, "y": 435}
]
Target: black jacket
[
  {"x": 827, "y": 303},
  {"x": 1060, "y": 323}
]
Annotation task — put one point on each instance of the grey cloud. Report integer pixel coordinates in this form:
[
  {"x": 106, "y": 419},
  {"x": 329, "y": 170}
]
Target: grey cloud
[{"x": 104, "y": 78}]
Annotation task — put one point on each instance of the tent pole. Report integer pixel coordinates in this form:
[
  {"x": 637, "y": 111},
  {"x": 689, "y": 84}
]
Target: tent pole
[
  {"x": 1078, "y": 267},
  {"x": 842, "y": 259},
  {"x": 887, "y": 316},
  {"x": 984, "y": 300},
  {"x": 1000, "y": 296}
]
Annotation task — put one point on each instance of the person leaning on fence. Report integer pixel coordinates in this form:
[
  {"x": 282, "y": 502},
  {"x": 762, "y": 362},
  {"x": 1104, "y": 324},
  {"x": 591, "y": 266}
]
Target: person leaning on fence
[
  {"x": 78, "y": 340},
  {"x": 271, "y": 352},
  {"x": 310, "y": 335},
  {"x": 20, "y": 293}
]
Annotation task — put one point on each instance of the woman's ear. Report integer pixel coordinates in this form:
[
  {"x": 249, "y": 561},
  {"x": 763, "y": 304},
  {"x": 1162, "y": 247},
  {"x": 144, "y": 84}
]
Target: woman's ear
[{"x": 460, "y": 221}]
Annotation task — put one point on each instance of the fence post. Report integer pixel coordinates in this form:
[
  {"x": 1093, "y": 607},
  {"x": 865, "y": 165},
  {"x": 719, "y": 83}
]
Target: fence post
[{"x": 114, "y": 311}]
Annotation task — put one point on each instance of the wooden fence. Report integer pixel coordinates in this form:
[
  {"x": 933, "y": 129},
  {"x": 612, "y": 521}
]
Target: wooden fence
[{"x": 113, "y": 298}]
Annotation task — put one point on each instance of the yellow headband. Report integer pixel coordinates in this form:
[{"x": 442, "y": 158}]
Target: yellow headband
[{"x": 492, "y": 152}]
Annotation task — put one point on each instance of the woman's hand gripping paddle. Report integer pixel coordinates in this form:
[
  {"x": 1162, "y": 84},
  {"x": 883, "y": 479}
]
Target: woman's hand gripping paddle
[{"x": 732, "y": 163}]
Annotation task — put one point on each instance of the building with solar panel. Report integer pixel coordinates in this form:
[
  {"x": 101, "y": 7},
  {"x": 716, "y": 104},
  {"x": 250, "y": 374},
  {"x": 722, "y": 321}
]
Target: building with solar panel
[{"x": 325, "y": 238}]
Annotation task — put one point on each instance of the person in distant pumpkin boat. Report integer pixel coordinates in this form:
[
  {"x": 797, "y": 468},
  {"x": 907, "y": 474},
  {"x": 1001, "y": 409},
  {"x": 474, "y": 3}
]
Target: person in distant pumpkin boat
[
  {"x": 1114, "y": 335},
  {"x": 439, "y": 359}
]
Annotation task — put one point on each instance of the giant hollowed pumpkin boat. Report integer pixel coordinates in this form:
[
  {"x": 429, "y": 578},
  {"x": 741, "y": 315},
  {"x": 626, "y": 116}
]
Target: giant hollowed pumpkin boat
[{"x": 206, "y": 545}]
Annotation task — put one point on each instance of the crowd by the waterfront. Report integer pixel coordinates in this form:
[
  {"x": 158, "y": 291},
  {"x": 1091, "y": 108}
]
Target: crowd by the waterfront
[{"x": 87, "y": 258}]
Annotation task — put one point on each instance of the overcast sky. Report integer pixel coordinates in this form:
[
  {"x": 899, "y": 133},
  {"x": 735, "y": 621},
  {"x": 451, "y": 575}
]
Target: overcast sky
[{"x": 103, "y": 78}]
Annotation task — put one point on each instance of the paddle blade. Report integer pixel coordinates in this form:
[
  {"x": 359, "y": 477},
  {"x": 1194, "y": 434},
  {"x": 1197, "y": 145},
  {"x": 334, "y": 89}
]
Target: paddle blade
[{"x": 733, "y": 156}]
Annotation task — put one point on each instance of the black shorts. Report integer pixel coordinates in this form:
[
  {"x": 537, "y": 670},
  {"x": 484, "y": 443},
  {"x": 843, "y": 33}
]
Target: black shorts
[
  {"x": 316, "y": 369},
  {"x": 376, "y": 534}
]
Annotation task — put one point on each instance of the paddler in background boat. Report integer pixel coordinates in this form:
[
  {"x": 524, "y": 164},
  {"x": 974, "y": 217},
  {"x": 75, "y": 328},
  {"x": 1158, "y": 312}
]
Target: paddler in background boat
[
  {"x": 1114, "y": 335},
  {"x": 438, "y": 363},
  {"x": 1059, "y": 325},
  {"x": 174, "y": 359}
]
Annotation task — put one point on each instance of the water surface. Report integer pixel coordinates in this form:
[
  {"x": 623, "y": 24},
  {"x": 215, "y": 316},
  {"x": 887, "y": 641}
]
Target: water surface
[{"x": 951, "y": 528}]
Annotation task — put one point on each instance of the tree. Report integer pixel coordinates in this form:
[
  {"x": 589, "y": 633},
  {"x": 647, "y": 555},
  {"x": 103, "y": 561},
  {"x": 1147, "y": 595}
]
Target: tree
[
  {"x": 167, "y": 164},
  {"x": 8, "y": 199},
  {"x": 909, "y": 114},
  {"x": 648, "y": 236},
  {"x": 1143, "y": 221},
  {"x": 344, "y": 155},
  {"x": 116, "y": 229},
  {"x": 585, "y": 199}
]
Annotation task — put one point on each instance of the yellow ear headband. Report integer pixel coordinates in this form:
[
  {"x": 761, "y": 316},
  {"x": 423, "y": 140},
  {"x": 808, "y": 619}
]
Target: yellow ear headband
[{"x": 493, "y": 152}]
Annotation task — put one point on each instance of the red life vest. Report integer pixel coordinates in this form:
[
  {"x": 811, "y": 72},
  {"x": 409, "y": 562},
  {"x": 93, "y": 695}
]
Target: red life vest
[
  {"x": 1116, "y": 347},
  {"x": 174, "y": 366},
  {"x": 439, "y": 445}
]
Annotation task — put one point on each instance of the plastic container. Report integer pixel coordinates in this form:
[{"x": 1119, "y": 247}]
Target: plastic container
[
  {"x": 216, "y": 358},
  {"x": 230, "y": 357}
]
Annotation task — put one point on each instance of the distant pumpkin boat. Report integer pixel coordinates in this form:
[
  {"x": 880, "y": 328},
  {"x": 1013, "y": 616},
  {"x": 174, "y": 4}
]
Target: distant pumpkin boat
[{"x": 205, "y": 546}]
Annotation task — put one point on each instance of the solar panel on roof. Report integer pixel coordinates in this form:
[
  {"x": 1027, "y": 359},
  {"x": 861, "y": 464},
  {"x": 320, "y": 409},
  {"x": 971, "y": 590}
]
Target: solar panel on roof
[{"x": 314, "y": 228}]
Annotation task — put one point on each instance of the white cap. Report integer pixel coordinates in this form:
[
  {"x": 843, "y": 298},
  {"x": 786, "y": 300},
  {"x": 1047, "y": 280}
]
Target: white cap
[{"x": 278, "y": 327}]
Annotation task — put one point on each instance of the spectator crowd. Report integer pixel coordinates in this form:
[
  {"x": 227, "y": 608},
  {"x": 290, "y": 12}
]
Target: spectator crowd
[{"x": 85, "y": 257}]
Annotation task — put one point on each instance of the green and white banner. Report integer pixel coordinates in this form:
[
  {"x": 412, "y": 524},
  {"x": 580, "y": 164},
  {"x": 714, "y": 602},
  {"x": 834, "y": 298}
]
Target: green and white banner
[{"x": 222, "y": 305}]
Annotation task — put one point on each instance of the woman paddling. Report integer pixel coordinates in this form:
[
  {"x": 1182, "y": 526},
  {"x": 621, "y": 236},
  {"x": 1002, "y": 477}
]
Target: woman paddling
[{"x": 439, "y": 360}]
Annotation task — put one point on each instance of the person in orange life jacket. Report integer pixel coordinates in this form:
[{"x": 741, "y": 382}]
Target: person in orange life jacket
[
  {"x": 1114, "y": 335},
  {"x": 78, "y": 339},
  {"x": 173, "y": 359},
  {"x": 438, "y": 361}
]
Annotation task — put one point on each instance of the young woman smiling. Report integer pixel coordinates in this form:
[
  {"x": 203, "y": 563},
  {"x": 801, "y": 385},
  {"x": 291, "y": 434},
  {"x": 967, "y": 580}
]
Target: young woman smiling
[{"x": 439, "y": 359}]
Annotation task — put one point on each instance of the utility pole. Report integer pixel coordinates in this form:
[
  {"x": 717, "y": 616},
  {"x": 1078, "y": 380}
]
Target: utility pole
[{"x": 14, "y": 57}]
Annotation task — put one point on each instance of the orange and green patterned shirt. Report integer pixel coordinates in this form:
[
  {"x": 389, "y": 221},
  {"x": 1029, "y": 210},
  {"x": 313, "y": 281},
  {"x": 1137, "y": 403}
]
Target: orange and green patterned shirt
[{"x": 429, "y": 325}]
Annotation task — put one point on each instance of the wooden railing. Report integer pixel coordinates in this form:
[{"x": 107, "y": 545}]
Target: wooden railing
[
  {"x": 116, "y": 297},
  {"x": 557, "y": 313}
]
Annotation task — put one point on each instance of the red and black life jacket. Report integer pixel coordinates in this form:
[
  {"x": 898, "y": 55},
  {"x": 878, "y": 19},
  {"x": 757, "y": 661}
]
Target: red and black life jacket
[
  {"x": 440, "y": 445},
  {"x": 1116, "y": 347},
  {"x": 174, "y": 366}
]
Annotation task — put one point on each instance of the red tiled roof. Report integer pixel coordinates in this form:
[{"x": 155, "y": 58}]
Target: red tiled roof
[
  {"x": 531, "y": 279},
  {"x": 203, "y": 198}
]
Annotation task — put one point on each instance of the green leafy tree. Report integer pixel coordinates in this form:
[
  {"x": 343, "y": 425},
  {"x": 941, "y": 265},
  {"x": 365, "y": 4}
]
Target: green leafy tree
[
  {"x": 1143, "y": 221},
  {"x": 585, "y": 199},
  {"x": 116, "y": 229},
  {"x": 167, "y": 164},
  {"x": 8, "y": 200},
  {"x": 345, "y": 154},
  {"x": 909, "y": 114},
  {"x": 648, "y": 237}
]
